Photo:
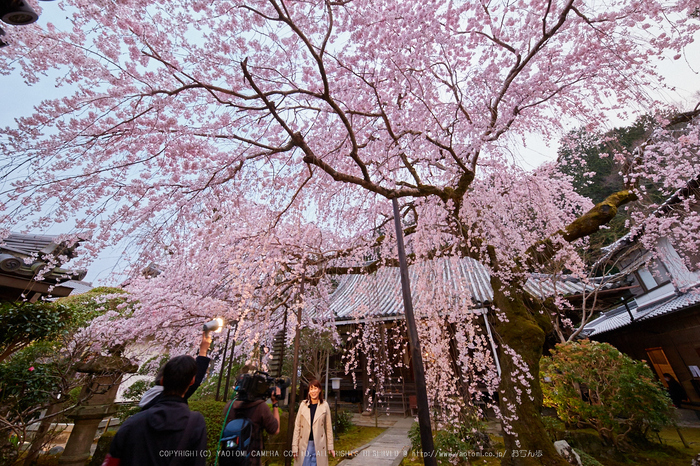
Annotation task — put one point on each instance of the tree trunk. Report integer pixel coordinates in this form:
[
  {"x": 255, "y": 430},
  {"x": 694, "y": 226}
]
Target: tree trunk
[
  {"x": 42, "y": 435},
  {"x": 524, "y": 434}
]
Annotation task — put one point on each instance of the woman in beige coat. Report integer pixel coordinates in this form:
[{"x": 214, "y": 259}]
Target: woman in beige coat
[{"x": 313, "y": 430}]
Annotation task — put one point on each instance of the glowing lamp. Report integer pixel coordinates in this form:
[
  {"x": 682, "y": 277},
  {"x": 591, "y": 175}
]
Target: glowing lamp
[
  {"x": 215, "y": 325},
  {"x": 335, "y": 383}
]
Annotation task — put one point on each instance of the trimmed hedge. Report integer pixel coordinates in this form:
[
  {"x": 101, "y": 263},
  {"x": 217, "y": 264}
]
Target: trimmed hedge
[{"x": 213, "y": 412}]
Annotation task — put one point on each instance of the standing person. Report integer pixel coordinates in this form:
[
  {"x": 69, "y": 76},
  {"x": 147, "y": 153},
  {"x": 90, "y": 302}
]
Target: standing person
[
  {"x": 675, "y": 390},
  {"x": 154, "y": 393},
  {"x": 168, "y": 433},
  {"x": 261, "y": 417},
  {"x": 313, "y": 429}
]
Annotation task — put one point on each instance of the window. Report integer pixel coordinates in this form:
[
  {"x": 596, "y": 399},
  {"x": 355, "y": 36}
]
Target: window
[{"x": 653, "y": 276}]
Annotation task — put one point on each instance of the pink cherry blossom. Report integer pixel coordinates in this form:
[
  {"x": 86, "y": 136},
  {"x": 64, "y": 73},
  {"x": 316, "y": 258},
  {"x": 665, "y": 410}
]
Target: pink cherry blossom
[{"x": 251, "y": 150}]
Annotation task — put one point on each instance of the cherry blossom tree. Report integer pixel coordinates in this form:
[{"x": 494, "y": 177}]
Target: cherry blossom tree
[{"x": 252, "y": 148}]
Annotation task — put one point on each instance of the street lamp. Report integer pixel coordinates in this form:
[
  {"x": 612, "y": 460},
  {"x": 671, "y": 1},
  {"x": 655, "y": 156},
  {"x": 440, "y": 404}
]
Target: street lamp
[
  {"x": 17, "y": 12},
  {"x": 335, "y": 384}
]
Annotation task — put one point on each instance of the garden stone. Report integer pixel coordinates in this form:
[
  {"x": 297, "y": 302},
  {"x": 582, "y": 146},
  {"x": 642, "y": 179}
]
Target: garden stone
[
  {"x": 568, "y": 453},
  {"x": 56, "y": 450}
]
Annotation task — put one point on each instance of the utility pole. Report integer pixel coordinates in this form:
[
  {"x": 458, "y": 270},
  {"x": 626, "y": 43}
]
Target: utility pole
[{"x": 426, "y": 434}]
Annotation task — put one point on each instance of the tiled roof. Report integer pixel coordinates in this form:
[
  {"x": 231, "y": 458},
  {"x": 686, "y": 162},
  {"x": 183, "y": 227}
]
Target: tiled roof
[
  {"x": 379, "y": 295},
  {"x": 28, "y": 244},
  {"x": 619, "y": 317},
  {"x": 35, "y": 244},
  {"x": 25, "y": 255}
]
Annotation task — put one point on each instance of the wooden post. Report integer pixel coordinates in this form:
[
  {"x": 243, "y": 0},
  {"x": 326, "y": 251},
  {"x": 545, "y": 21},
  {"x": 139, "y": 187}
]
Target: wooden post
[
  {"x": 295, "y": 365},
  {"x": 685, "y": 444},
  {"x": 426, "y": 434}
]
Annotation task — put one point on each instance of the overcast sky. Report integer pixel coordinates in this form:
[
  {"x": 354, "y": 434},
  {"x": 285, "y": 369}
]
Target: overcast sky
[{"x": 18, "y": 99}]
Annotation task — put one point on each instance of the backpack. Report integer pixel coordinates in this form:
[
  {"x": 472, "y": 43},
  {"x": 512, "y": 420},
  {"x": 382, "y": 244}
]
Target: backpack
[{"x": 234, "y": 442}]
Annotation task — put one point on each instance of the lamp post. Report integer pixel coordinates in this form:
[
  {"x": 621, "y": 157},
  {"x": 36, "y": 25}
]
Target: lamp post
[
  {"x": 223, "y": 364},
  {"x": 234, "y": 324},
  {"x": 335, "y": 384}
]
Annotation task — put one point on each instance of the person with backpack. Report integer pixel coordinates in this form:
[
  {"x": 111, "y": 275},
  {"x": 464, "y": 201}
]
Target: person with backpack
[
  {"x": 313, "y": 429},
  {"x": 241, "y": 441},
  {"x": 168, "y": 433}
]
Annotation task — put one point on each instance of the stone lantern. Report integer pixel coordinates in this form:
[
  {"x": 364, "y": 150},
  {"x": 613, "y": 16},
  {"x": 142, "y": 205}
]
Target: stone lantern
[{"x": 104, "y": 376}]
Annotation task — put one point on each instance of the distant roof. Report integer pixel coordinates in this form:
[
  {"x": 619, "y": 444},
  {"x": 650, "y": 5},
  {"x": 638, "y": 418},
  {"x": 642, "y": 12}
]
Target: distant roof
[
  {"x": 619, "y": 317},
  {"x": 379, "y": 295},
  {"x": 683, "y": 193},
  {"x": 78, "y": 286}
]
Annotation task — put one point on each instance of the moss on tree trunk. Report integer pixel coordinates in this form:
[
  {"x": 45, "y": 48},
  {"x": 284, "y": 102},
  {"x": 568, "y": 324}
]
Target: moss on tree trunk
[{"x": 526, "y": 439}]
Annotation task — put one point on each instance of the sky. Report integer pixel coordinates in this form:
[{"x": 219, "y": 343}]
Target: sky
[{"x": 18, "y": 99}]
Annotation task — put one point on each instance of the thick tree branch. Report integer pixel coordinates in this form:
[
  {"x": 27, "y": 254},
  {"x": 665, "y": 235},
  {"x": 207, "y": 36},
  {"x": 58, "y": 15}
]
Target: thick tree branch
[
  {"x": 585, "y": 225},
  {"x": 601, "y": 214}
]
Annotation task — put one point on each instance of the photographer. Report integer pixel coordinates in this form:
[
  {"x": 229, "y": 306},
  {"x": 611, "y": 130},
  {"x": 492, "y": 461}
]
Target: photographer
[{"x": 260, "y": 416}]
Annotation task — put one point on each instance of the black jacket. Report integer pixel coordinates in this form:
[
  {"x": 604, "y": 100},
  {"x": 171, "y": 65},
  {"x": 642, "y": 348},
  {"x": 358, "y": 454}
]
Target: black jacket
[
  {"x": 151, "y": 437},
  {"x": 202, "y": 366}
]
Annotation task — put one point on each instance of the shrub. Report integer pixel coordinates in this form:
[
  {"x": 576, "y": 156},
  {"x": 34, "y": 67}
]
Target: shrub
[
  {"x": 593, "y": 384},
  {"x": 102, "y": 449},
  {"x": 126, "y": 410},
  {"x": 24, "y": 323},
  {"x": 453, "y": 445},
  {"x": 213, "y": 412},
  {"x": 342, "y": 422},
  {"x": 133, "y": 395},
  {"x": 586, "y": 459},
  {"x": 554, "y": 427},
  {"x": 37, "y": 352},
  {"x": 275, "y": 444},
  {"x": 136, "y": 390},
  {"x": 28, "y": 380}
]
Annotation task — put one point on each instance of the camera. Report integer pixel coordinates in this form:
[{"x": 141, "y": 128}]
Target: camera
[{"x": 260, "y": 386}]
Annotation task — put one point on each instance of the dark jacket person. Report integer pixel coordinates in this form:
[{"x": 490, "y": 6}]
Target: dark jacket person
[
  {"x": 262, "y": 419},
  {"x": 675, "y": 390},
  {"x": 167, "y": 433},
  {"x": 154, "y": 394}
]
